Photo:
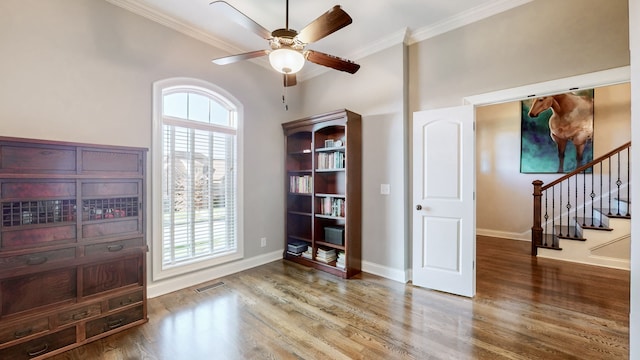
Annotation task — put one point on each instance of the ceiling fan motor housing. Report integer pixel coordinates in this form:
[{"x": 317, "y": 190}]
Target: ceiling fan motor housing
[{"x": 285, "y": 38}]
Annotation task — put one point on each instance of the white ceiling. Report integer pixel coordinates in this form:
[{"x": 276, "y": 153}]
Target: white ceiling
[{"x": 377, "y": 24}]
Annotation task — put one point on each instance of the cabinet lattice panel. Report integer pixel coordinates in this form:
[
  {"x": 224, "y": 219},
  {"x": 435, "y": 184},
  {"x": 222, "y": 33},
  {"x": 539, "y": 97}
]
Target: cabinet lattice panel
[{"x": 20, "y": 213}]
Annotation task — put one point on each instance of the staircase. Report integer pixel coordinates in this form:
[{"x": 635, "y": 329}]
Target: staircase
[{"x": 584, "y": 216}]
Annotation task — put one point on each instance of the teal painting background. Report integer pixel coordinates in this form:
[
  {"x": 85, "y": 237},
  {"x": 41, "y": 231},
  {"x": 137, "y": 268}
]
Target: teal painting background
[{"x": 539, "y": 154}]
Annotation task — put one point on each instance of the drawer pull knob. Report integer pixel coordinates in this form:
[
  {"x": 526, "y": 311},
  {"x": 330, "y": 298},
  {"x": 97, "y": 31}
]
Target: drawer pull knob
[
  {"x": 22, "y": 333},
  {"x": 40, "y": 351},
  {"x": 114, "y": 248},
  {"x": 80, "y": 315},
  {"x": 115, "y": 323},
  {"x": 126, "y": 302},
  {"x": 36, "y": 260}
]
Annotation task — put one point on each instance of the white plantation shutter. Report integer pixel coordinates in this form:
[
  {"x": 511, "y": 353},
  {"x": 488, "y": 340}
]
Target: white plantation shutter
[{"x": 199, "y": 178}]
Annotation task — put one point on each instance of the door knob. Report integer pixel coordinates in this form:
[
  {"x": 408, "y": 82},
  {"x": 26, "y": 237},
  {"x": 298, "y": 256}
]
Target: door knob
[{"x": 418, "y": 207}]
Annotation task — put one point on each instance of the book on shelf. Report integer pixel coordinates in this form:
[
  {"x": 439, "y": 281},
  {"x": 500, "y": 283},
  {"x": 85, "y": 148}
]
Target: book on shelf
[
  {"x": 332, "y": 206},
  {"x": 330, "y": 160},
  {"x": 301, "y": 184},
  {"x": 308, "y": 254},
  {"x": 326, "y": 255},
  {"x": 327, "y": 260},
  {"x": 340, "y": 263}
]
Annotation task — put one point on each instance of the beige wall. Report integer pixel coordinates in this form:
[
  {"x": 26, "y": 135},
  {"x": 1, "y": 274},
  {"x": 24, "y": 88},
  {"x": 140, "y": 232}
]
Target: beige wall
[
  {"x": 503, "y": 200},
  {"x": 82, "y": 70},
  {"x": 539, "y": 41},
  {"x": 529, "y": 44},
  {"x": 377, "y": 93}
]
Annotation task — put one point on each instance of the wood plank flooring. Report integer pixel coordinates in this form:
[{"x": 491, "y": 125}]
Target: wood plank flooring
[{"x": 525, "y": 308}]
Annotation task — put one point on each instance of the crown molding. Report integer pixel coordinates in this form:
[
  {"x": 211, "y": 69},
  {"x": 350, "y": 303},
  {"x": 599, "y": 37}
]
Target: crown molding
[
  {"x": 137, "y": 7},
  {"x": 465, "y": 18}
]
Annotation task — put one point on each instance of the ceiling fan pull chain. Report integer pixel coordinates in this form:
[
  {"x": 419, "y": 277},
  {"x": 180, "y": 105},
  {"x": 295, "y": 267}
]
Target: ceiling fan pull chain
[{"x": 284, "y": 101}]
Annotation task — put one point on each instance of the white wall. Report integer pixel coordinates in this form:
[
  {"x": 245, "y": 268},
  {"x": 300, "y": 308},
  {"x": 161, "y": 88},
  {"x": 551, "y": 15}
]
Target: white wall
[
  {"x": 634, "y": 321},
  {"x": 498, "y": 177},
  {"x": 82, "y": 71}
]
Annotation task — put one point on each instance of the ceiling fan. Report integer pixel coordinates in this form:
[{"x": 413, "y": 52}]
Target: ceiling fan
[{"x": 287, "y": 53}]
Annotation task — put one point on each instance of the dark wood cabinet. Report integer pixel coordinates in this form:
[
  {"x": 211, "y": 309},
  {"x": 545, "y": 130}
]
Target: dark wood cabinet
[
  {"x": 323, "y": 164},
  {"x": 72, "y": 244}
]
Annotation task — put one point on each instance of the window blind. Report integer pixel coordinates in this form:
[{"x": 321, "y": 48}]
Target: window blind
[{"x": 199, "y": 192}]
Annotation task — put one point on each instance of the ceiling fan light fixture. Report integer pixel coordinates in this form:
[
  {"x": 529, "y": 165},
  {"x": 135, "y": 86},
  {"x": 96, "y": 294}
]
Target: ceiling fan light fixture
[{"x": 286, "y": 60}]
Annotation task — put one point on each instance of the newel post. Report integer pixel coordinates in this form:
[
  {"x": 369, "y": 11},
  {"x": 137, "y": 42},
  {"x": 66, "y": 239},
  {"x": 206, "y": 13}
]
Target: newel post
[{"x": 536, "y": 229}]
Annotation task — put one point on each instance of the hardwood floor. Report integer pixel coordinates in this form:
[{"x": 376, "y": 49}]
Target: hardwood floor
[{"x": 525, "y": 308}]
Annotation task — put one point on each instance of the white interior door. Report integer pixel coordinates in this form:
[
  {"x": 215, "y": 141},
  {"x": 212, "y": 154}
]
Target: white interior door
[{"x": 443, "y": 199}]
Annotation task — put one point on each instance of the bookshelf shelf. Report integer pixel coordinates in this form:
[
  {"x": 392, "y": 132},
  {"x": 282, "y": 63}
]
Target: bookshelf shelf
[
  {"x": 330, "y": 203},
  {"x": 300, "y": 213},
  {"x": 340, "y": 149},
  {"x": 330, "y": 217},
  {"x": 326, "y": 244}
]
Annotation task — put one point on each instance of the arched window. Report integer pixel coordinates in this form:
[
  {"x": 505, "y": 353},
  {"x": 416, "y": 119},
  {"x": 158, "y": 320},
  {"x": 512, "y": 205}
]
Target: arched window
[{"x": 195, "y": 177}]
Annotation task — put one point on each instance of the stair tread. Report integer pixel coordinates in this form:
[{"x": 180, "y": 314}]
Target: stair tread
[
  {"x": 593, "y": 224},
  {"x": 551, "y": 242},
  {"x": 568, "y": 232},
  {"x": 613, "y": 213}
]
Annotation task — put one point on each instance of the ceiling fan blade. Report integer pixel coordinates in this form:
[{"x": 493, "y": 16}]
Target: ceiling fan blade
[
  {"x": 326, "y": 24},
  {"x": 241, "y": 19},
  {"x": 289, "y": 79},
  {"x": 239, "y": 57},
  {"x": 331, "y": 61}
]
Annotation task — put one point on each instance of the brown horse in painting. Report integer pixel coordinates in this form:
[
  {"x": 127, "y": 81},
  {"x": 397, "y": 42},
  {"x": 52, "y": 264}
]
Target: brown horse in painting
[{"x": 572, "y": 120}]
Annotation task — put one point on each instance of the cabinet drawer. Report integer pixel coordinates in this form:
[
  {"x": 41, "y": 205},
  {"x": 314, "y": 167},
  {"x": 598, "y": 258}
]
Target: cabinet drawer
[
  {"x": 108, "y": 323},
  {"x": 36, "y": 159},
  {"x": 94, "y": 160},
  {"x": 111, "y": 228},
  {"x": 124, "y": 300},
  {"x": 111, "y": 275},
  {"x": 40, "y": 346},
  {"x": 38, "y": 258},
  {"x": 36, "y": 190},
  {"x": 32, "y": 291},
  {"x": 47, "y": 235},
  {"x": 23, "y": 329},
  {"x": 113, "y": 188},
  {"x": 80, "y": 313},
  {"x": 113, "y": 247}
]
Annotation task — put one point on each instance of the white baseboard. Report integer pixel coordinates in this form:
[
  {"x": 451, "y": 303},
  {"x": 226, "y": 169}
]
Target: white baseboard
[
  {"x": 386, "y": 272},
  {"x": 180, "y": 282},
  {"x": 596, "y": 261},
  {"x": 526, "y": 236}
]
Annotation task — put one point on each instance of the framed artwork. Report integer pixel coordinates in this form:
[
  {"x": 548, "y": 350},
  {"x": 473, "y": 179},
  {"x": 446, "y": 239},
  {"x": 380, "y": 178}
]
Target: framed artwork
[{"x": 556, "y": 132}]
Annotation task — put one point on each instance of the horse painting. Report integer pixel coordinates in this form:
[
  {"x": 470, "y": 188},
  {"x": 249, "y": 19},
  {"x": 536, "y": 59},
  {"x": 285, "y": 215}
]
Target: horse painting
[{"x": 571, "y": 120}]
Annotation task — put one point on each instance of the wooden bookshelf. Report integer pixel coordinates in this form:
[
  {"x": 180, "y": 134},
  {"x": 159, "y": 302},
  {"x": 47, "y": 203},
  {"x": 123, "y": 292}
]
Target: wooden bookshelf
[{"x": 323, "y": 179}]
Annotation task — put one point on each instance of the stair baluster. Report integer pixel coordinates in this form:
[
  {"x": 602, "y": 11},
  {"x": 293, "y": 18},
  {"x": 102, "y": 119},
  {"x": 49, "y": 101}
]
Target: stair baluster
[
  {"x": 628, "y": 214},
  {"x": 540, "y": 236},
  {"x": 600, "y": 225},
  {"x": 584, "y": 196},
  {"x": 618, "y": 183}
]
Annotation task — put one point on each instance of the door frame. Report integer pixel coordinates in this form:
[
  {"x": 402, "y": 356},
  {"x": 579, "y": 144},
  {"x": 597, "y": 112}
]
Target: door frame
[{"x": 586, "y": 81}]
